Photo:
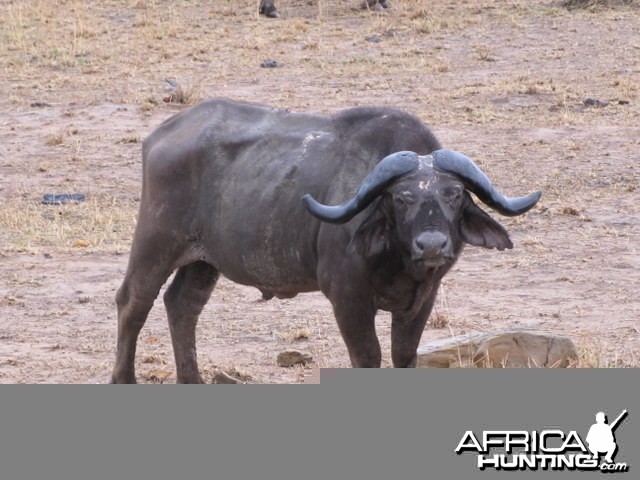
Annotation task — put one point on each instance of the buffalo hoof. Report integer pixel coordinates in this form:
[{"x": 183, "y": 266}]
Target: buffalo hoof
[
  {"x": 222, "y": 378},
  {"x": 268, "y": 9},
  {"x": 127, "y": 380},
  {"x": 376, "y": 5},
  {"x": 266, "y": 295}
]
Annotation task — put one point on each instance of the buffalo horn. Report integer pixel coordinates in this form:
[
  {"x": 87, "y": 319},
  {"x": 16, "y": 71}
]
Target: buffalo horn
[
  {"x": 386, "y": 171},
  {"x": 477, "y": 182}
]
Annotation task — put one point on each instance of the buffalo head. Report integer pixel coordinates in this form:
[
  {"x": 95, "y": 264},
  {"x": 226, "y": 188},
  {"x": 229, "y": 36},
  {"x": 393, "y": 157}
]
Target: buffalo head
[{"x": 424, "y": 211}]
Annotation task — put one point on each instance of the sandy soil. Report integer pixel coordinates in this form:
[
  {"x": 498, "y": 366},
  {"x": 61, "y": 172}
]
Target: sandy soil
[{"x": 503, "y": 81}]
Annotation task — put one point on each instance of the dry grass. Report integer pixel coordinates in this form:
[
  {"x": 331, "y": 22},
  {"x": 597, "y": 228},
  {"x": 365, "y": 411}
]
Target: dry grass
[
  {"x": 101, "y": 224},
  {"x": 594, "y": 354},
  {"x": 596, "y": 4}
]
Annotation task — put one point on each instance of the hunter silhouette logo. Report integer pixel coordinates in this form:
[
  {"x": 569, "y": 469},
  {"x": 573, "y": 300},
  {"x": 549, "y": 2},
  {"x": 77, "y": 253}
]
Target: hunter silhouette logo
[
  {"x": 548, "y": 449},
  {"x": 600, "y": 437}
]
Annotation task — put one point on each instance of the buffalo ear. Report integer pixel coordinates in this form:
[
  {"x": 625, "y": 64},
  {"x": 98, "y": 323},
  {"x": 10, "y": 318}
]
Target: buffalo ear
[
  {"x": 372, "y": 236},
  {"x": 479, "y": 229}
]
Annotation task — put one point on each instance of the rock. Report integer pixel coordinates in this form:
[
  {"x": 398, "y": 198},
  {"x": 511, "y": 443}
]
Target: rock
[
  {"x": 514, "y": 349},
  {"x": 594, "y": 102},
  {"x": 289, "y": 358},
  {"x": 62, "y": 198},
  {"x": 270, "y": 64},
  {"x": 526, "y": 350},
  {"x": 447, "y": 353},
  {"x": 223, "y": 378}
]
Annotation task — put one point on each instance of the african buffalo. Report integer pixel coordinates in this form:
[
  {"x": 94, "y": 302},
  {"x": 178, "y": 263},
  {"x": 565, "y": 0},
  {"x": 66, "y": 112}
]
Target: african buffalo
[{"x": 250, "y": 191}]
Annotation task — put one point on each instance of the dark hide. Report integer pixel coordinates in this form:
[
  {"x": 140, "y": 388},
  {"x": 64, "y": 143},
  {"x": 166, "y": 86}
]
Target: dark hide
[{"x": 221, "y": 194}]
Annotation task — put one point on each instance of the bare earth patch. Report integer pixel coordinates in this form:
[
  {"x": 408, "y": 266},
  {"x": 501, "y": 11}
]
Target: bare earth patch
[{"x": 507, "y": 83}]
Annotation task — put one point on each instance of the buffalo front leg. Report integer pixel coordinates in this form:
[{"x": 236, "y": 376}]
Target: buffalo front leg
[
  {"x": 356, "y": 321},
  {"x": 184, "y": 299},
  {"x": 406, "y": 331}
]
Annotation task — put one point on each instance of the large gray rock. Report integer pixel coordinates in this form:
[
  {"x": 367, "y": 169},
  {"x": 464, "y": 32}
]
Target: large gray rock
[{"x": 513, "y": 348}]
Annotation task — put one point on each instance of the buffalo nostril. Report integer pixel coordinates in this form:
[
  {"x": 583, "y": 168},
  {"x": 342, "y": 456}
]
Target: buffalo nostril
[{"x": 431, "y": 244}]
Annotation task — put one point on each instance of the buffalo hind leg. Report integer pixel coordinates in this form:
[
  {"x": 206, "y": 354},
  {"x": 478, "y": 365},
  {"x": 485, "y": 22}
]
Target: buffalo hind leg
[
  {"x": 134, "y": 299},
  {"x": 184, "y": 299}
]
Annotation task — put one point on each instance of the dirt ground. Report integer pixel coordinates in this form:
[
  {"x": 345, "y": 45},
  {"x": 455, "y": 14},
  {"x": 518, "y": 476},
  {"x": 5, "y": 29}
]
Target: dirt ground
[{"x": 541, "y": 96}]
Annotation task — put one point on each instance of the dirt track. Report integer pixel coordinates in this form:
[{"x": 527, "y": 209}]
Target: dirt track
[{"x": 503, "y": 81}]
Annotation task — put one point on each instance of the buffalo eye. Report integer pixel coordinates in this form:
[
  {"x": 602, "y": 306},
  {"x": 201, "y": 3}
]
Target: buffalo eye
[
  {"x": 403, "y": 200},
  {"x": 452, "y": 195}
]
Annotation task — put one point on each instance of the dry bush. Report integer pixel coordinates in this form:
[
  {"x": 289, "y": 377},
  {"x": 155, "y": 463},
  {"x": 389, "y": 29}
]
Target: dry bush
[
  {"x": 184, "y": 96},
  {"x": 593, "y": 354},
  {"x": 439, "y": 320},
  {"x": 55, "y": 139},
  {"x": 484, "y": 53},
  {"x": 296, "y": 334}
]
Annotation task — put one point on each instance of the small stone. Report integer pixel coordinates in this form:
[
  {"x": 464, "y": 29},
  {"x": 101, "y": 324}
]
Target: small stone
[
  {"x": 270, "y": 64},
  {"x": 594, "y": 102},
  {"x": 289, "y": 358},
  {"x": 62, "y": 198}
]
